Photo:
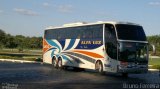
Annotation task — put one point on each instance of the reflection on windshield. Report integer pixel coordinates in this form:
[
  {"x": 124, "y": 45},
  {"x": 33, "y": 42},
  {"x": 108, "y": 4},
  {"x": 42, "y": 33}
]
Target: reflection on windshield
[{"x": 133, "y": 52}]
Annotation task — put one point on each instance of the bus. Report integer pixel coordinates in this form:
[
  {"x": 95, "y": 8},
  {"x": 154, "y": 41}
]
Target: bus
[{"x": 117, "y": 47}]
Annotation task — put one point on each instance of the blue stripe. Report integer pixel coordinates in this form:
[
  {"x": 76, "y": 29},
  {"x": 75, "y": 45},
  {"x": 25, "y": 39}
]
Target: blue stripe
[
  {"x": 81, "y": 56},
  {"x": 77, "y": 60},
  {"x": 52, "y": 49},
  {"x": 71, "y": 44},
  {"x": 62, "y": 42},
  {"x": 53, "y": 44},
  {"x": 66, "y": 58},
  {"x": 52, "y": 54}
]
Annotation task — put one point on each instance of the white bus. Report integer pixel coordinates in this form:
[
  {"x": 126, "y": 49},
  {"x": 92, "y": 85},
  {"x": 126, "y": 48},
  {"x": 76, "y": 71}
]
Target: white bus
[{"x": 117, "y": 47}]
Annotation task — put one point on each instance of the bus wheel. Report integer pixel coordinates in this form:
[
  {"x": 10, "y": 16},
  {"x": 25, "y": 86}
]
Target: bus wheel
[
  {"x": 99, "y": 67},
  {"x": 59, "y": 63},
  {"x": 54, "y": 62}
]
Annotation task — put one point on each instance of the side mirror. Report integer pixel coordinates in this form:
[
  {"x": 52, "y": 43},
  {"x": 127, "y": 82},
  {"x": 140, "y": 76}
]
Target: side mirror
[{"x": 152, "y": 48}]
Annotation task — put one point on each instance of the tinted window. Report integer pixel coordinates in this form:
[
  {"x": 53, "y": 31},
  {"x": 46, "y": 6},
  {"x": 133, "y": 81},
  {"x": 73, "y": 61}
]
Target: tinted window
[
  {"x": 133, "y": 52},
  {"x": 81, "y": 32},
  {"x": 130, "y": 32}
]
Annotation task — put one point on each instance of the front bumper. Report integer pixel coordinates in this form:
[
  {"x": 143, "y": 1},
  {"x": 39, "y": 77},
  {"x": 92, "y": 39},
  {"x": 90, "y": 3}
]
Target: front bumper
[{"x": 132, "y": 70}]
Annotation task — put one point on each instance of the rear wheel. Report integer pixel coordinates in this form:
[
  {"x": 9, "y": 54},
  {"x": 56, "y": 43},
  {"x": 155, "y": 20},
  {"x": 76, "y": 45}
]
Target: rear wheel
[
  {"x": 99, "y": 67},
  {"x": 59, "y": 63},
  {"x": 54, "y": 62}
]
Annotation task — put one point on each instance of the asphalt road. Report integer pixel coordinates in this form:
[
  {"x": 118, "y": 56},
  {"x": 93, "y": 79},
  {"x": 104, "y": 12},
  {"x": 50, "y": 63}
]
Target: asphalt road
[{"x": 43, "y": 76}]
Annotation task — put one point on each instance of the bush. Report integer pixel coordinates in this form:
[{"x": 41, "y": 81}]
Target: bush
[
  {"x": 20, "y": 49},
  {"x": 39, "y": 59},
  {"x": 1, "y": 46}
]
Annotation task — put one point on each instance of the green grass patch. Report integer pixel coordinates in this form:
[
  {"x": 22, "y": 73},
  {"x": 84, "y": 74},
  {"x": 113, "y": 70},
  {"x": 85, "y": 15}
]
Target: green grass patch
[
  {"x": 8, "y": 57},
  {"x": 37, "y": 51},
  {"x": 154, "y": 67},
  {"x": 155, "y": 62},
  {"x": 32, "y": 55}
]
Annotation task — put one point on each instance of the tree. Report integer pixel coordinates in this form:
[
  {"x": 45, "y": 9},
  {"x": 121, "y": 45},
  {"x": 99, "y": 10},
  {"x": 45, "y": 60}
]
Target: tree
[
  {"x": 36, "y": 42},
  {"x": 40, "y": 42},
  {"x": 19, "y": 39},
  {"x": 2, "y": 38},
  {"x": 2, "y": 34},
  {"x": 10, "y": 42}
]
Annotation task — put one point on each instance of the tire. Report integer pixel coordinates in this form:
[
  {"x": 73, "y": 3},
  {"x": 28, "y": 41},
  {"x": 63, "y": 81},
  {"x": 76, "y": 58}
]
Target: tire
[
  {"x": 59, "y": 64},
  {"x": 99, "y": 67},
  {"x": 54, "y": 62}
]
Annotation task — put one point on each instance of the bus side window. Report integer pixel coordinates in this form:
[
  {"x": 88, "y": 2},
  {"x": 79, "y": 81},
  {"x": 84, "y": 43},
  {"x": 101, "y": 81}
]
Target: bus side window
[{"x": 110, "y": 41}]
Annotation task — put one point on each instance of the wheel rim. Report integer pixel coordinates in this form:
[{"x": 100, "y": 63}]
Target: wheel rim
[
  {"x": 54, "y": 63},
  {"x": 60, "y": 63},
  {"x": 99, "y": 67}
]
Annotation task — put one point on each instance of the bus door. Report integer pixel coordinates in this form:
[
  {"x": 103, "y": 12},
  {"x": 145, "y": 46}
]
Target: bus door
[{"x": 111, "y": 48}]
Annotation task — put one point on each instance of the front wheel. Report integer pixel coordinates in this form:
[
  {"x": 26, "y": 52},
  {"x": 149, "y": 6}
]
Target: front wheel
[{"x": 99, "y": 67}]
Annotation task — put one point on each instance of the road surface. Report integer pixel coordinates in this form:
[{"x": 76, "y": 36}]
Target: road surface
[{"x": 42, "y": 76}]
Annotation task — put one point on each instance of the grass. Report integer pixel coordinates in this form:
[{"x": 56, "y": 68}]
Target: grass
[
  {"x": 155, "y": 62},
  {"x": 37, "y": 51},
  {"x": 30, "y": 55}
]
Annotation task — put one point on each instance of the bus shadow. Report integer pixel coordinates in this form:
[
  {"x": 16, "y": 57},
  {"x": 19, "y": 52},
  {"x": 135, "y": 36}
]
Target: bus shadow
[{"x": 131, "y": 78}]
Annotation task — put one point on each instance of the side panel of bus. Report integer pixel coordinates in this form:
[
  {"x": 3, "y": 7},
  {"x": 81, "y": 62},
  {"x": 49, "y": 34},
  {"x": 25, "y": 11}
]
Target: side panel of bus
[
  {"x": 81, "y": 53},
  {"x": 74, "y": 52}
]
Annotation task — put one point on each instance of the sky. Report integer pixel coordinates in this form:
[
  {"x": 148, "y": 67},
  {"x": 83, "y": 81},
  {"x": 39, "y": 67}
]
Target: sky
[{"x": 31, "y": 17}]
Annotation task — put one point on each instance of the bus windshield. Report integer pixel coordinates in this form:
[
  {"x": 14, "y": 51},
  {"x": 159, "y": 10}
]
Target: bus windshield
[
  {"x": 133, "y": 52},
  {"x": 130, "y": 32}
]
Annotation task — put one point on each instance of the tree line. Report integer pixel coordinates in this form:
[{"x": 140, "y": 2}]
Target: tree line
[{"x": 19, "y": 41}]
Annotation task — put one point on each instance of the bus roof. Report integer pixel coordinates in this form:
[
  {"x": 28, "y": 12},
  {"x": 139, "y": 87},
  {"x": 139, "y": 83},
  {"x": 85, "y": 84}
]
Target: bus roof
[{"x": 85, "y": 24}]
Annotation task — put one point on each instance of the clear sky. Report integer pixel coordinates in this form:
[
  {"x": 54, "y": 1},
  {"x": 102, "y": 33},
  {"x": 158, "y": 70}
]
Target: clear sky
[{"x": 31, "y": 17}]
